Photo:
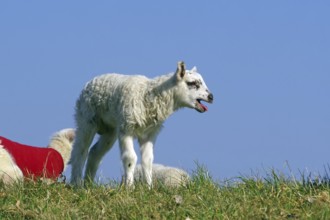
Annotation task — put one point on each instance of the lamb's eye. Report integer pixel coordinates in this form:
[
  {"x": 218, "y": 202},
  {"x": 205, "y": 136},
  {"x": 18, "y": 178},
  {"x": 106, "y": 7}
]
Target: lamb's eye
[{"x": 193, "y": 83}]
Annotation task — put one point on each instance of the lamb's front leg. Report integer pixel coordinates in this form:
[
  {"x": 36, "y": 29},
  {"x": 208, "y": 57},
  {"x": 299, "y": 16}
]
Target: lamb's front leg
[
  {"x": 147, "y": 154},
  {"x": 128, "y": 157}
]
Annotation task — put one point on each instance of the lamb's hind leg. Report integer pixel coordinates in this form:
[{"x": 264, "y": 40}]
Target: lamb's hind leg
[
  {"x": 103, "y": 145},
  {"x": 128, "y": 157},
  {"x": 84, "y": 138}
]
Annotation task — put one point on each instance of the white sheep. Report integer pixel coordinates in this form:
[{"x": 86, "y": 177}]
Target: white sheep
[
  {"x": 166, "y": 175},
  {"x": 128, "y": 107},
  {"x": 19, "y": 160}
]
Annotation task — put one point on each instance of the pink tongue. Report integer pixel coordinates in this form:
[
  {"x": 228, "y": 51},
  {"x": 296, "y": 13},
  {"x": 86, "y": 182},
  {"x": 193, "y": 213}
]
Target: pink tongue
[{"x": 204, "y": 107}]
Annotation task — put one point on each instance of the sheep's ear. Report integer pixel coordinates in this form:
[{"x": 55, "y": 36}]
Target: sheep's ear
[
  {"x": 194, "y": 69},
  {"x": 71, "y": 133},
  {"x": 181, "y": 70}
]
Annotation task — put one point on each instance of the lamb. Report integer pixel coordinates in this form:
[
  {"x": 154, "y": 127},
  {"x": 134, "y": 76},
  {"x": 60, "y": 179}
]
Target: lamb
[
  {"x": 125, "y": 107},
  {"x": 19, "y": 161},
  {"x": 166, "y": 175}
]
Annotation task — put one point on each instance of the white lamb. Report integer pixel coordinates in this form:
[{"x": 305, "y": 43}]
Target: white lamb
[
  {"x": 169, "y": 176},
  {"x": 19, "y": 161},
  {"x": 128, "y": 107}
]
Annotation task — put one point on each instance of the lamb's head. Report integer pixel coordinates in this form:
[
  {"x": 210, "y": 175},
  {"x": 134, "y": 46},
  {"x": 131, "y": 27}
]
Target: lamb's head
[
  {"x": 192, "y": 88},
  {"x": 62, "y": 142}
]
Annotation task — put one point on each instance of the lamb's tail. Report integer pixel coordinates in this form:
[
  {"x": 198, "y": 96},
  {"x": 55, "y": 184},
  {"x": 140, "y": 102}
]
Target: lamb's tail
[{"x": 9, "y": 171}]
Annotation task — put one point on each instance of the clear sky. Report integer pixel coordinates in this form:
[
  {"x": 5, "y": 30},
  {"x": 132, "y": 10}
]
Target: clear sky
[{"x": 266, "y": 62}]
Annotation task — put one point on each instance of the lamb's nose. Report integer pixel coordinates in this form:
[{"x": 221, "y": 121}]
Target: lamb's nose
[{"x": 210, "y": 97}]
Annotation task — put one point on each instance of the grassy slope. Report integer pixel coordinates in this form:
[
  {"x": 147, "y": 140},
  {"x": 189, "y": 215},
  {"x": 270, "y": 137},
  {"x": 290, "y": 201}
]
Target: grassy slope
[{"x": 245, "y": 198}]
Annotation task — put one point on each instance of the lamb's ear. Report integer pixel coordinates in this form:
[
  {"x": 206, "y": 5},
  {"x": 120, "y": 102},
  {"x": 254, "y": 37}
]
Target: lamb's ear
[
  {"x": 181, "y": 70},
  {"x": 70, "y": 134},
  {"x": 194, "y": 69}
]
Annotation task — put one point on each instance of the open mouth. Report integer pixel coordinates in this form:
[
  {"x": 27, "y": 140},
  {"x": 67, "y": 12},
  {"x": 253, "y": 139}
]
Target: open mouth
[{"x": 200, "y": 107}]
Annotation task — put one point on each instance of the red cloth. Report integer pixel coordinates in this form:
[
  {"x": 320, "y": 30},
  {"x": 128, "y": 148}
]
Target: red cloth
[{"x": 35, "y": 161}]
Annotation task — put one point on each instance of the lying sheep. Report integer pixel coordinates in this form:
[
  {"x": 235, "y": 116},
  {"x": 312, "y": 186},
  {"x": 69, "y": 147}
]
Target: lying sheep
[
  {"x": 19, "y": 160},
  {"x": 168, "y": 176}
]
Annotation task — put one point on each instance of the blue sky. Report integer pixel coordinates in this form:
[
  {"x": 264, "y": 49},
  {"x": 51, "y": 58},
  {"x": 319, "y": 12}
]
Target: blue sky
[{"x": 266, "y": 62}]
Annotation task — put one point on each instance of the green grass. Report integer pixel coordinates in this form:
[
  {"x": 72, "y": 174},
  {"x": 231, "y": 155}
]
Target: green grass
[{"x": 271, "y": 197}]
